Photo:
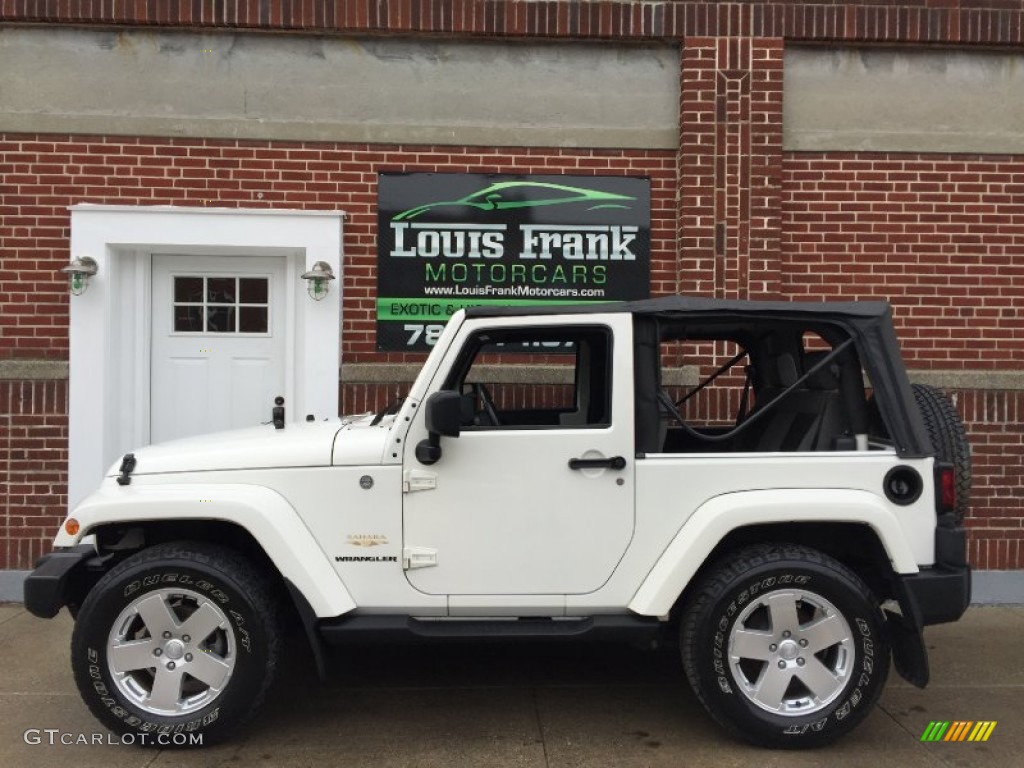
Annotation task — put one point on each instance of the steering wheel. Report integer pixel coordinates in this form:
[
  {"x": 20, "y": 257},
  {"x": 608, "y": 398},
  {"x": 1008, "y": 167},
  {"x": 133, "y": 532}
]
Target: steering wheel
[{"x": 481, "y": 392}]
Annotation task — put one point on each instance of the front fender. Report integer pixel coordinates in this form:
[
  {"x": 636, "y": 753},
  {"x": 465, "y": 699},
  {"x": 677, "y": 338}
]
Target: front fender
[
  {"x": 719, "y": 516},
  {"x": 265, "y": 514}
]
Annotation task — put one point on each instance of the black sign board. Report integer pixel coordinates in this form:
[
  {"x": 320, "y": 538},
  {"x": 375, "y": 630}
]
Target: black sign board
[{"x": 449, "y": 241}]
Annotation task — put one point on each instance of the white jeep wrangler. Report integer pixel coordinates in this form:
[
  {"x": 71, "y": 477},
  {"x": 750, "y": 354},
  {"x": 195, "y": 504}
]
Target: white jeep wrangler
[{"x": 794, "y": 519}]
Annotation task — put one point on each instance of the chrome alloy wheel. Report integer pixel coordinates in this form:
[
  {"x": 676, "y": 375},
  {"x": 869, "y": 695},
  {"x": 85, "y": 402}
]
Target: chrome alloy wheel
[
  {"x": 791, "y": 652},
  {"x": 171, "y": 651}
]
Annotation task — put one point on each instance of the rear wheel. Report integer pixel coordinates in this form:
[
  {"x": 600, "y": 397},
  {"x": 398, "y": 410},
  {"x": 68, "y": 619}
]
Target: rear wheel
[
  {"x": 178, "y": 641},
  {"x": 784, "y": 646}
]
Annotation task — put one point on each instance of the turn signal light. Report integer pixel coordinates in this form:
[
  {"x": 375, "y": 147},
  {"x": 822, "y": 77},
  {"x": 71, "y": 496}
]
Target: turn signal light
[
  {"x": 71, "y": 526},
  {"x": 947, "y": 489}
]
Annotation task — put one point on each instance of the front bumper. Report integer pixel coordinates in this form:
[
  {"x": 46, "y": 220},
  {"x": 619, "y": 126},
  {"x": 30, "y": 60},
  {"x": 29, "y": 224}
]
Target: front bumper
[{"x": 60, "y": 578}]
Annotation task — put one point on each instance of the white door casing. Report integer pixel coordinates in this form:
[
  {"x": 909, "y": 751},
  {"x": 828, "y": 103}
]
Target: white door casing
[
  {"x": 215, "y": 366},
  {"x": 110, "y": 328}
]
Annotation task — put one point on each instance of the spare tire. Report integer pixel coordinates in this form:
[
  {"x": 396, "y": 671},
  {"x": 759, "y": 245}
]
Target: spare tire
[{"x": 949, "y": 438}]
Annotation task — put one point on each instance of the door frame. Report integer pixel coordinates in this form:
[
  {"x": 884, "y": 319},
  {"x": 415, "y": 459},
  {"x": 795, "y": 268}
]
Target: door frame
[{"x": 111, "y": 323}]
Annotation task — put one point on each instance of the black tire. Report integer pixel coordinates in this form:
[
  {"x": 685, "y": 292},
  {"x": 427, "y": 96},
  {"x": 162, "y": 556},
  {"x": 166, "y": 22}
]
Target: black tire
[
  {"x": 949, "y": 439},
  {"x": 234, "y": 609},
  {"x": 733, "y": 598}
]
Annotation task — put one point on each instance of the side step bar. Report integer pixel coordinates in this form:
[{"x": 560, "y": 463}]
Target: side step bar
[{"x": 389, "y": 628}]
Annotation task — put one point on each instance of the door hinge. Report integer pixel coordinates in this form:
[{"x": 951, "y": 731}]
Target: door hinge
[
  {"x": 418, "y": 480},
  {"x": 418, "y": 557}
]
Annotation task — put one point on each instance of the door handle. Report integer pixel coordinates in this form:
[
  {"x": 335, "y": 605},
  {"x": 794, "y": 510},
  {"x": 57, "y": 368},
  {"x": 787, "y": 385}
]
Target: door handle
[{"x": 612, "y": 462}]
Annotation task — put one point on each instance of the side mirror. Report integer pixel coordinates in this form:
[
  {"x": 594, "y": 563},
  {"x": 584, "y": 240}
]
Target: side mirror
[
  {"x": 443, "y": 417},
  {"x": 444, "y": 413}
]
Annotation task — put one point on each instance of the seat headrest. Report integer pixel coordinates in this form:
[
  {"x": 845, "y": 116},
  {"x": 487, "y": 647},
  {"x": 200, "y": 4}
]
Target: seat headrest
[
  {"x": 788, "y": 372},
  {"x": 825, "y": 379}
]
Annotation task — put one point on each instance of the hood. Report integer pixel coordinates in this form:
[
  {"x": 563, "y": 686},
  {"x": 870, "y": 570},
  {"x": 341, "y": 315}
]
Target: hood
[{"x": 299, "y": 444}]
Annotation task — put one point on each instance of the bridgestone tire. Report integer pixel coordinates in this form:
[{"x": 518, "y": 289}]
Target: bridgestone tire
[
  {"x": 176, "y": 588},
  {"x": 949, "y": 439},
  {"x": 837, "y": 626}
]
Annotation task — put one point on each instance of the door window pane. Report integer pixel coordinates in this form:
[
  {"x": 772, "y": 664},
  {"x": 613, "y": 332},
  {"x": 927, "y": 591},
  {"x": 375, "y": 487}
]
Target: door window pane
[
  {"x": 188, "y": 289},
  {"x": 188, "y": 319},
  {"x": 220, "y": 290},
  {"x": 252, "y": 320},
  {"x": 220, "y": 320},
  {"x": 253, "y": 290}
]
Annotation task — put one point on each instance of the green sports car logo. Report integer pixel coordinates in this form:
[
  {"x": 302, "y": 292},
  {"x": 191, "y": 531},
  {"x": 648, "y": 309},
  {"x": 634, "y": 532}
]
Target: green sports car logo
[{"x": 509, "y": 195}]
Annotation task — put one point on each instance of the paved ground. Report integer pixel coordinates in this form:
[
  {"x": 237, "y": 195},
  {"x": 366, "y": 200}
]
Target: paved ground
[{"x": 523, "y": 706}]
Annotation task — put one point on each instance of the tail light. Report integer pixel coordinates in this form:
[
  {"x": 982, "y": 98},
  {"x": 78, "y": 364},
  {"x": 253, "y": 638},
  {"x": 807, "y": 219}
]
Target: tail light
[{"x": 945, "y": 487}]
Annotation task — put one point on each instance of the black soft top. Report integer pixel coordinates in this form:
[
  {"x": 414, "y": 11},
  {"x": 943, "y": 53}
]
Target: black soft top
[
  {"x": 869, "y": 323},
  {"x": 693, "y": 305}
]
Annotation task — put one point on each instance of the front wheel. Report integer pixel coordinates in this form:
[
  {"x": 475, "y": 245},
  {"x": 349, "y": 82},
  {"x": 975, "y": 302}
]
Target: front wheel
[
  {"x": 176, "y": 645},
  {"x": 784, "y": 646}
]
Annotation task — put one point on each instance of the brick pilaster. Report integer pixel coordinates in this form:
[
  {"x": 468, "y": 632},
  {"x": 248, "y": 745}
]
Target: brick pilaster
[{"x": 730, "y": 162}]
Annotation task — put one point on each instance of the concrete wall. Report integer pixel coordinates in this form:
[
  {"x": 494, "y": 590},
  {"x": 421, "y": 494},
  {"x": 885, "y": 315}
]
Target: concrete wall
[
  {"x": 227, "y": 85},
  {"x": 903, "y": 100}
]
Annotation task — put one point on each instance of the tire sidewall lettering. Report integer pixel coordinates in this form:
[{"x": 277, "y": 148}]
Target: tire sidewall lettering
[
  {"x": 175, "y": 578},
  {"x": 134, "y": 721}
]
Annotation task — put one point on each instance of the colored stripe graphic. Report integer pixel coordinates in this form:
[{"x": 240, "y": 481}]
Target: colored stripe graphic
[
  {"x": 958, "y": 730},
  {"x": 935, "y": 730},
  {"x": 982, "y": 730}
]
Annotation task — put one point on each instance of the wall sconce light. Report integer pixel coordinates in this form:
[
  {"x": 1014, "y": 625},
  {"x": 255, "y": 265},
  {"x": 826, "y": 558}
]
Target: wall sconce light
[
  {"x": 79, "y": 271},
  {"x": 319, "y": 280}
]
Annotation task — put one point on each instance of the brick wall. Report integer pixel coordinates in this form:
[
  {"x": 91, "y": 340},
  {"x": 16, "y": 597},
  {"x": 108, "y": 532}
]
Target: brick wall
[
  {"x": 995, "y": 422},
  {"x": 33, "y": 468},
  {"x": 940, "y": 237},
  {"x": 43, "y": 175}
]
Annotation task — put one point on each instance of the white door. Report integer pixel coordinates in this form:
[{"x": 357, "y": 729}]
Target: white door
[
  {"x": 218, "y": 349},
  {"x": 536, "y": 494}
]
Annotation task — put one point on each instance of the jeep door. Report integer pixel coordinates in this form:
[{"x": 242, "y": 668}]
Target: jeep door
[{"x": 536, "y": 495}]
